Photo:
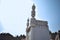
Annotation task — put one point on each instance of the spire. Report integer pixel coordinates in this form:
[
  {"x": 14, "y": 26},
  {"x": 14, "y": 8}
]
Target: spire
[{"x": 33, "y": 11}]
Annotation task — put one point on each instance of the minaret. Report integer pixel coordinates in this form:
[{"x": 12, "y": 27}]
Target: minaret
[
  {"x": 33, "y": 11},
  {"x": 33, "y": 20},
  {"x": 27, "y": 29}
]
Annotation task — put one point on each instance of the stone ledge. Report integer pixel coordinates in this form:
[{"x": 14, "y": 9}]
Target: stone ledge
[{"x": 38, "y": 23}]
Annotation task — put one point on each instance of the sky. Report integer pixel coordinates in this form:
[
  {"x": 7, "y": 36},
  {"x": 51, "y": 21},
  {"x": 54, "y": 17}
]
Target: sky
[
  {"x": 14, "y": 14},
  {"x": 49, "y": 10}
]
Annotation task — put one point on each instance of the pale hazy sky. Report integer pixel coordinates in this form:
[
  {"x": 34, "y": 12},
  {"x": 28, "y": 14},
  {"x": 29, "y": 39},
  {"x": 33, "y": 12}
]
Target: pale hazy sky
[
  {"x": 14, "y": 14},
  {"x": 49, "y": 10}
]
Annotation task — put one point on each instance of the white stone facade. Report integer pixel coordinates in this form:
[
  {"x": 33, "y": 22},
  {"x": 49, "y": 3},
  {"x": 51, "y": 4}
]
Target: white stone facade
[{"x": 38, "y": 30}]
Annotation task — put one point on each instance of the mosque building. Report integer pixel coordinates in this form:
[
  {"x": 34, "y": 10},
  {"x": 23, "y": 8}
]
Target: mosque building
[{"x": 37, "y": 29}]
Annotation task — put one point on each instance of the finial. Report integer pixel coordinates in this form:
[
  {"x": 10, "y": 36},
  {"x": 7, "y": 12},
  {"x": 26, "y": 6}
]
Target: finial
[
  {"x": 33, "y": 11},
  {"x": 28, "y": 19},
  {"x": 33, "y": 7}
]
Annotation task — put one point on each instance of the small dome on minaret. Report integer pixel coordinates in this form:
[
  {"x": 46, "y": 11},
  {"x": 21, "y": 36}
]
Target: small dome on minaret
[{"x": 33, "y": 11}]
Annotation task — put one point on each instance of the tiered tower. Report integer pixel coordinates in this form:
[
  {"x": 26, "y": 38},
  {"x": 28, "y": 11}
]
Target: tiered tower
[{"x": 36, "y": 29}]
